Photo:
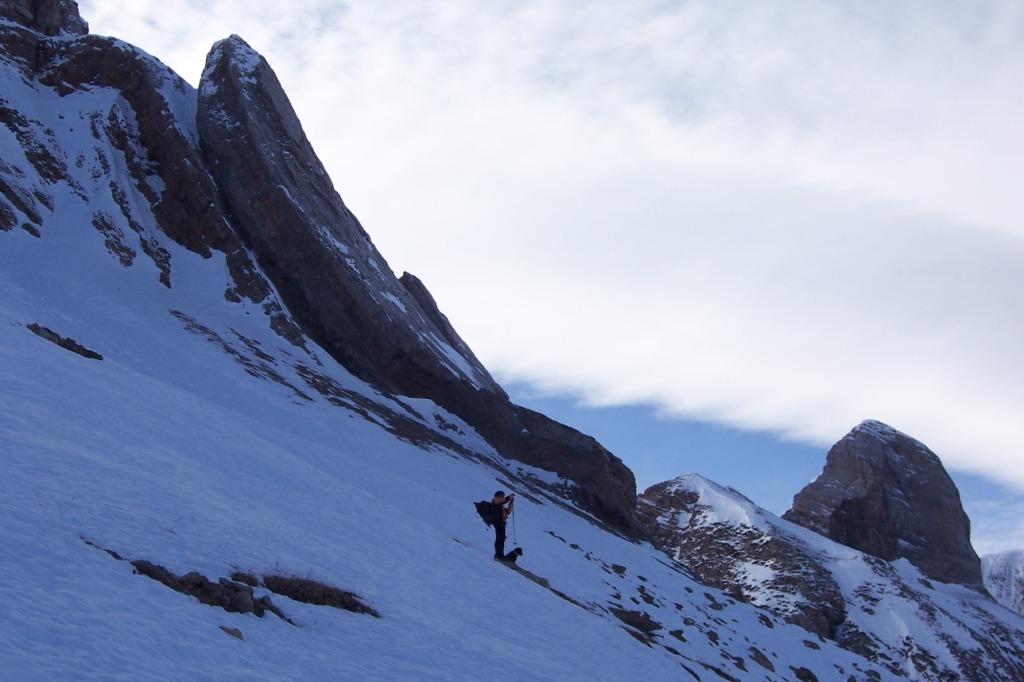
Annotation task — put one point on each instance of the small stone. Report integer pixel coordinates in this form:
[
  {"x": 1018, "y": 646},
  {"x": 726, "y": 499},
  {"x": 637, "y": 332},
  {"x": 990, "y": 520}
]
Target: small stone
[{"x": 234, "y": 632}]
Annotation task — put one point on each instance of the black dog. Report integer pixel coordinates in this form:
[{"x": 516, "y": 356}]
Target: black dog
[{"x": 513, "y": 555}]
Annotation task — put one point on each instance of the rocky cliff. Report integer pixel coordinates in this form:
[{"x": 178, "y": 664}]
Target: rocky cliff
[
  {"x": 229, "y": 169},
  {"x": 886, "y": 494},
  {"x": 48, "y": 17},
  {"x": 286, "y": 210}
]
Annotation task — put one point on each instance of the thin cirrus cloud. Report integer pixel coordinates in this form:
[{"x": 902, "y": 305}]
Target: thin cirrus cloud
[{"x": 777, "y": 216}]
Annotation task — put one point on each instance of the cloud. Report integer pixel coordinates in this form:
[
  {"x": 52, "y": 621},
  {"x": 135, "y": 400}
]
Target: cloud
[
  {"x": 1003, "y": 525},
  {"x": 774, "y": 216}
]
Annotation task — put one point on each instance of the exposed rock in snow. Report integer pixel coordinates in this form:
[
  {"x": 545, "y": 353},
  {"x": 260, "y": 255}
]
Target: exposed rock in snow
[
  {"x": 147, "y": 118},
  {"x": 722, "y": 537},
  {"x": 63, "y": 342},
  {"x": 49, "y": 17},
  {"x": 886, "y": 494}
]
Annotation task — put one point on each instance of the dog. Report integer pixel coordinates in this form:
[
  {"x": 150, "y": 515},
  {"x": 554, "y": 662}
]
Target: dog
[{"x": 513, "y": 555}]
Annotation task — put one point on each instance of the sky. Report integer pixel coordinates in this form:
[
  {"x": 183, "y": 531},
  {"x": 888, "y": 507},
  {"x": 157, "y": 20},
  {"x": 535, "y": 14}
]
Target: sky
[{"x": 767, "y": 221}]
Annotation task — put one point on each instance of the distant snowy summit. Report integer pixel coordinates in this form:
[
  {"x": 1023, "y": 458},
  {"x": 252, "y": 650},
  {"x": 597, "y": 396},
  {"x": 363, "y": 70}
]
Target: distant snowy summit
[{"x": 1004, "y": 578}]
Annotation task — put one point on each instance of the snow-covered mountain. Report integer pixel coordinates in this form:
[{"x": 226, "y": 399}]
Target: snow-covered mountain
[
  {"x": 1004, "y": 578},
  {"x": 890, "y": 612},
  {"x": 104, "y": 137},
  {"x": 212, "y": 382}
]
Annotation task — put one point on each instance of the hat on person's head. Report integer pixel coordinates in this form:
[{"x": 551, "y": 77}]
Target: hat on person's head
[{"x": 500, "y": 493}]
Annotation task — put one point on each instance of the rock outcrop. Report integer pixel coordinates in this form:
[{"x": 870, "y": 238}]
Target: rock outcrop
[
  {"x": 343, "y": 294},
  {"x": 886, "y": 494},
  {"x": 63, "y": 341},
  {"x": 49, "y": 17},
  {"x": 144, "y": 124},
  {"x": 726, "y": 541},
  {"x": 283, "y": 204}
]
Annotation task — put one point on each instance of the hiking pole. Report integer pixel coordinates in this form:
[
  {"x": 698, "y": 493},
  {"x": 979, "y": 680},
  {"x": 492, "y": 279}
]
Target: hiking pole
[{"x": 514, "y": 540}]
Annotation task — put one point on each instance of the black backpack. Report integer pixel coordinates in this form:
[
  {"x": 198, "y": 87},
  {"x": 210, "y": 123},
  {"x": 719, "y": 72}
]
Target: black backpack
[{"x": 489, "y": 512}]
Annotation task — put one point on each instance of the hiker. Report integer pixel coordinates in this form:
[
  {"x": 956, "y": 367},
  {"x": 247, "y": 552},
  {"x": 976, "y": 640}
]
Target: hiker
[{"x": 501, "y": 512}]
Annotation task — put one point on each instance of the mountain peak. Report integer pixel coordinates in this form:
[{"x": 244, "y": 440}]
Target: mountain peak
[
  {"x": 680, "y": 496},
  {"x": 285, "y": 207},
  {"x": 342, "y": 293},
  {"x": 886, "y": 494},
  {"x": 49, "y": 17},
  {"x": 246, "y": 61}
]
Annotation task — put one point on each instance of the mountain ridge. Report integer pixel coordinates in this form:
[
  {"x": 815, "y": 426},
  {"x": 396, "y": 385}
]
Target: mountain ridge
[
  {"x": 835, "y": 592},
  {"x": 175, "y": 139},
  {"x": 216, "y": 433}
]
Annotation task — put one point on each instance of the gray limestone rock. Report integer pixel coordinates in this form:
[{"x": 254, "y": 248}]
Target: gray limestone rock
[
  {"x": 146, "y": 128},
  {"x": 343, "y": 294},
  {"x": 886, "y": 494},
  {"x": 49, "y": 17},
  {"x": 284, "y": 206}
]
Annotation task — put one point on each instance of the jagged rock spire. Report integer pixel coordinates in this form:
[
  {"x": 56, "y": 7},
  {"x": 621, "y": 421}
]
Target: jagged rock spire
[
  {"x": 886, "y": 494},
  {"x": 324, "y": 264},
  {"x": 344, "y": 295}
]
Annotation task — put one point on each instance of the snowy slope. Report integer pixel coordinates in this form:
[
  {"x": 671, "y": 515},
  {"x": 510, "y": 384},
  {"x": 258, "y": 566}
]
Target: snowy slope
[
  {"x": 205, "y": 441},
  {"x": 1004, "y": 578},
  {"x": 198, "y": 443},
  {"x": 168, "y": 450}
]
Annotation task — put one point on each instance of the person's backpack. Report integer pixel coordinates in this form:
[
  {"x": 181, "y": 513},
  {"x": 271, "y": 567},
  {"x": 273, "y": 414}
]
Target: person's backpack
[{"x": 489, "y": 512}]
